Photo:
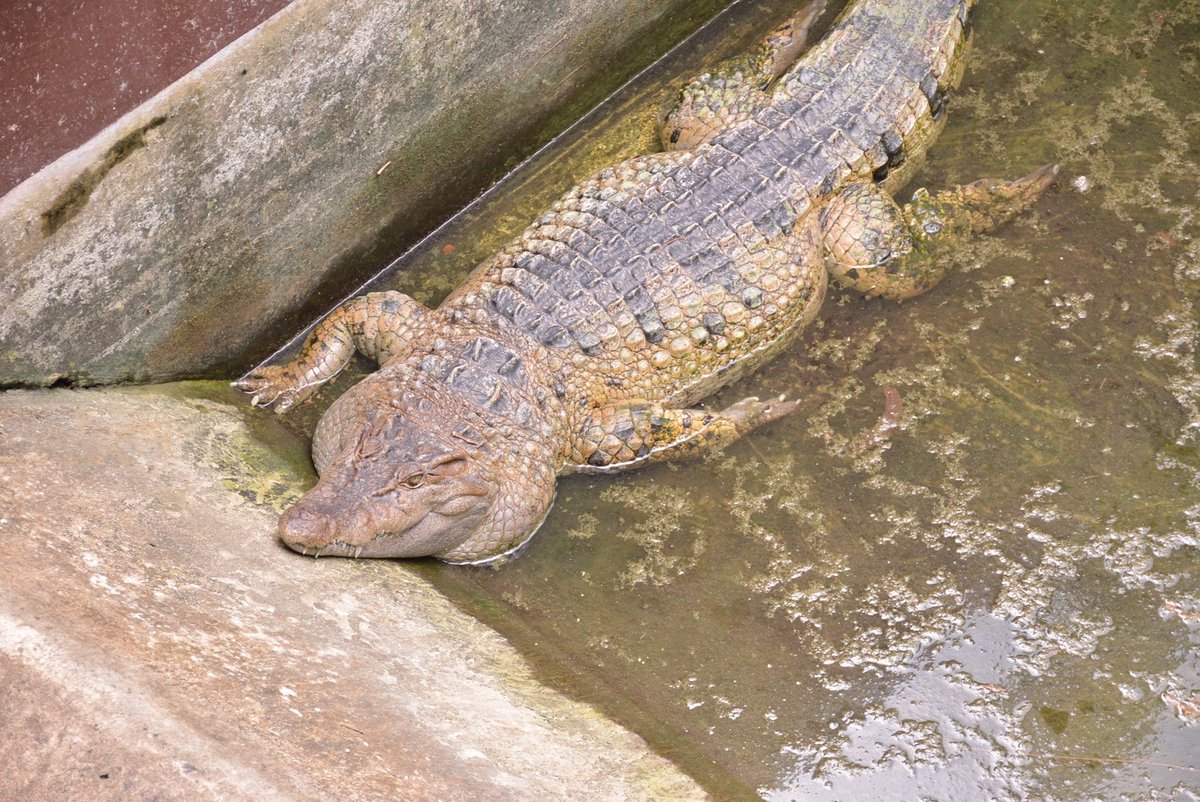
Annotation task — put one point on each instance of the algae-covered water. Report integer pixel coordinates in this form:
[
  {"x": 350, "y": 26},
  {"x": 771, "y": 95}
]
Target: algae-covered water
[{"x": 996, "y": 598}]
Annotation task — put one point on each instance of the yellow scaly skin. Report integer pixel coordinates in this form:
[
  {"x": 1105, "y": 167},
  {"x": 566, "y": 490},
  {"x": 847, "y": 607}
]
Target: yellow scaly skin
[{"x": 583, "y": 344}]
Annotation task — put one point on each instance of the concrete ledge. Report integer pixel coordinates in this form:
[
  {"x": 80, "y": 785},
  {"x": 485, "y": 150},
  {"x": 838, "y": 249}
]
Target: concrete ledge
[
  {"x": 157, "y": 642},
  {"x": 259, "y": 184}
]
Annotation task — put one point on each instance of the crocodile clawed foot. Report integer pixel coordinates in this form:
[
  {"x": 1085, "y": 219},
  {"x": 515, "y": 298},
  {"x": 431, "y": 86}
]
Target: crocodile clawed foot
[
  {"x": 750, "y": 413},
  {"x": 273, "y": 385},
  {"x": 990, "y": 202},
  {"x": 1025, "y": 190}
]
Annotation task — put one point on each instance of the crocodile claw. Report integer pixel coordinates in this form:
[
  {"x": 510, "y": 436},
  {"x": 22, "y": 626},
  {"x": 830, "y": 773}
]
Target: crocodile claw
[
  {"x": 751, "y": 412},
  {"x": 774, "y": 410},
  {"x": 273, "y": 385}
]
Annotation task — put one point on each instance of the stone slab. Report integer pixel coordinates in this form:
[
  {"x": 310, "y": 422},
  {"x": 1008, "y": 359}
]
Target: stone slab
[
  {"x": 157, "y": 642},
  {"x": 243, "y": 200}
]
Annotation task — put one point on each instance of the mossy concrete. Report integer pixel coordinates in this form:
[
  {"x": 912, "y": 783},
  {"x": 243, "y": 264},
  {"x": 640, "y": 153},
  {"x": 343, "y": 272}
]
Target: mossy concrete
[
  {"x": 157, "y": 642},
  {"x": 187, "y": 238}
]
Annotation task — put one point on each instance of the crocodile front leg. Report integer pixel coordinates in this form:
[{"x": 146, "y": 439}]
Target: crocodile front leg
[
  {"x": 377, "y": 324},
  {"x": 879, "y": 248},
  {"x": 625, "y": 436},
  {"x": 732, "y": 91}
]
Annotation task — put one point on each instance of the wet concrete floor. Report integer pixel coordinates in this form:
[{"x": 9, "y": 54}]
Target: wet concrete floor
[{"x": 997, "y": 599}]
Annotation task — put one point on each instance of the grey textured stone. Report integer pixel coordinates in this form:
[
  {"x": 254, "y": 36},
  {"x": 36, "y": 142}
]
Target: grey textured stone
[
  {"x": 178, "y": 239},
  {"x": 156, "y": 642}
]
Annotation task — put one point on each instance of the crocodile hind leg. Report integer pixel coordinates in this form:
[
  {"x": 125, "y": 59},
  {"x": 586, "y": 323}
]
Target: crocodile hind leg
[
  {"x": 731, "y": 91},
  {"x": 882, "y": 249},
  {"x": 377, "y": 324},
  {"x": 625, "y": 436}
]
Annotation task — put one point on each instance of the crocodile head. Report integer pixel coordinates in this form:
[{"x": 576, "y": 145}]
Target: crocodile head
[{"x": 401, "y": 475}]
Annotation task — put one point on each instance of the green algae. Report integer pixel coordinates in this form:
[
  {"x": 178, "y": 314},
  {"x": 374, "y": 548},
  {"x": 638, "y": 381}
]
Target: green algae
[{"x": 260, "y": 460}]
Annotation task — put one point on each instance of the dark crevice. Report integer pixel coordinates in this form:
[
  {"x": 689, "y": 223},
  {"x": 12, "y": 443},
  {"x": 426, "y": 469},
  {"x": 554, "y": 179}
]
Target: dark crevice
[{"x": 59, "y": 381}]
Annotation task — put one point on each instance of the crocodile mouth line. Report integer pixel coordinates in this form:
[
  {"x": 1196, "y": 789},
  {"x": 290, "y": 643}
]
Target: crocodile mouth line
[
  {"x": 377, "y": 545},
  {"x": 354, "y": 552},
  {"x": 340, "y": 548}
]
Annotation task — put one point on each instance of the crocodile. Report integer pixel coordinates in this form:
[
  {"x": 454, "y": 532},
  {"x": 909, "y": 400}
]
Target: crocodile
[{"x": 584, "y": 344}]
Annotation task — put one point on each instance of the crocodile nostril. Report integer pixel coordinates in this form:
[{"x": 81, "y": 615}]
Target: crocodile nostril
[{"x": 299, "y": 527}]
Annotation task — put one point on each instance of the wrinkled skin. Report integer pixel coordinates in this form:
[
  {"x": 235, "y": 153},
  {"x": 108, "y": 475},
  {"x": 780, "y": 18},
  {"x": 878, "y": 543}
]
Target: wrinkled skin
[{"x": 428, "y": 504}]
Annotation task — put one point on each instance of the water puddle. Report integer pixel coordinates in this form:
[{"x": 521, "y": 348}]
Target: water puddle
[{"x": 969, "y": 566}]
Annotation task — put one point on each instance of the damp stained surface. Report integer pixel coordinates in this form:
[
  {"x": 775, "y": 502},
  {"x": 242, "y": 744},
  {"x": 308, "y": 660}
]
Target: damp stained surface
[{"x": 990, "y": 590}]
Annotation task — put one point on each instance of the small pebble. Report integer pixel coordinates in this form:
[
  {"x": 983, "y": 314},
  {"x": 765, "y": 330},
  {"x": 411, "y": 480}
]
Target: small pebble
[{"x": 1081, "y": 183}]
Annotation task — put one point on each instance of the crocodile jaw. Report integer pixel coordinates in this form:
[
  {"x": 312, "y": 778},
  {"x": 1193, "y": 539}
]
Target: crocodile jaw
[
  {"x": 433, "y": 527},
  {"x": 384, "y": 527}
]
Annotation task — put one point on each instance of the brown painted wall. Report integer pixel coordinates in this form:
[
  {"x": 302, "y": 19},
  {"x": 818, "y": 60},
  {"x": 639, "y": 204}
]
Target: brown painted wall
[{"x": 67, "y": 69}]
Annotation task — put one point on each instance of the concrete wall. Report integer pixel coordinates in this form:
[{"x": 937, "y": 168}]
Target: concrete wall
[{"x": 188, "y": 237}]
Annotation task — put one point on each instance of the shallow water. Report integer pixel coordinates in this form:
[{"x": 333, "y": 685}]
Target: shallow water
[{"x": 998, "y": 598}]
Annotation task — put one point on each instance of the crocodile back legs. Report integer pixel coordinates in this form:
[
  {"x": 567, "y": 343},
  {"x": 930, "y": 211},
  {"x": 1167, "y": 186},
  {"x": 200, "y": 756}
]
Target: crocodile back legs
[{"x": 882, "y": 249}]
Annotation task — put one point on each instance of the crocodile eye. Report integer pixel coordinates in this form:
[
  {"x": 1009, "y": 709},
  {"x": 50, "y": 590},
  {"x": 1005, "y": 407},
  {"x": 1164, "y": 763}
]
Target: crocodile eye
[
  {"x": 413, "y": 481},
  {"x": 410, "y": 482}
]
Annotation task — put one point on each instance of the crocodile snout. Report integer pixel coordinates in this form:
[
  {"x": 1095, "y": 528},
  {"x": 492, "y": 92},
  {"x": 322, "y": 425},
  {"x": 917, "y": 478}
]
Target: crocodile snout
[{"x": 301, "y": 528}]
